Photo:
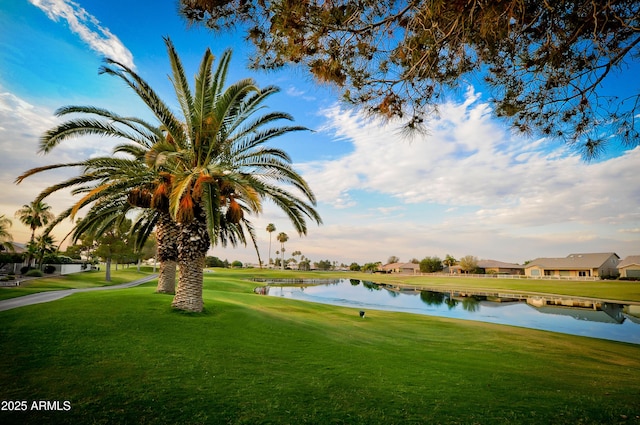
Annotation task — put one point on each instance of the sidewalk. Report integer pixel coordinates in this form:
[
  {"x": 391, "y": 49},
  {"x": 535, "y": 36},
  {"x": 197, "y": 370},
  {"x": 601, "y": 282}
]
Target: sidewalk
[{"x": 43, "y": 297}]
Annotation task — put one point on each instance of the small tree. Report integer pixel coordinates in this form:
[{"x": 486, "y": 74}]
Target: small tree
[
  {"x": 468, "y": 263},
  {"x": 371, "y": 267},
  {"x": 282, "y": 238},
  {"x": 393, "y": 259},
  {"x": 449, "y": 261},
  {"x": 431, "y": 265},
  {"x": 355, "y": 267},
  {"x": 323, "y": 265}
]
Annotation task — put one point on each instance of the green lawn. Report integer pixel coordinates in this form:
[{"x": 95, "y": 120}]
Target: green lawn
[
  {"x": 90, "y": 279},
  {"x": 126, "y": 357}
]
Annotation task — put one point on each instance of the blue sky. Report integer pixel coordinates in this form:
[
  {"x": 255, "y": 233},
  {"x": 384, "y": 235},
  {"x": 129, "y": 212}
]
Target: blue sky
[{"x": 471, "y": 187}]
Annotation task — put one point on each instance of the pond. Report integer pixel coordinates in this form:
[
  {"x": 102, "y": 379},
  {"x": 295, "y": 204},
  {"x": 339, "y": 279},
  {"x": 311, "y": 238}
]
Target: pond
[{"x": 575, "y": 316}]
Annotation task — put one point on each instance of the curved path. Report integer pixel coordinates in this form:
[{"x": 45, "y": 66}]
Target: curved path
[{"x": 43, "y": 297}]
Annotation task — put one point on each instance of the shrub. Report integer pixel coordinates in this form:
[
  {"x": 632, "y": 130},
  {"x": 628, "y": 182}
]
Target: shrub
[
  {"x": 34, "y": 273},
  {"x": 48, "y": 269}
]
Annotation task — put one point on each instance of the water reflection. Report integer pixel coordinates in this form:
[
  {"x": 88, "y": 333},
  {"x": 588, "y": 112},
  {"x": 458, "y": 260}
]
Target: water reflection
[{"x": 584, "y": 317}]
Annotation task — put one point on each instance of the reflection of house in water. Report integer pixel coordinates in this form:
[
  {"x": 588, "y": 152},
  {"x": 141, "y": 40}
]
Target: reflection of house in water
[
  {"x": 593, "y": 311},
  {"x": 632, "y": 312}
]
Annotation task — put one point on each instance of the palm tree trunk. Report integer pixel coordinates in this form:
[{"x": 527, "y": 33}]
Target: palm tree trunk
[
  {"x": 107, "y": 267},
  {"x": 193, "y": 244},
  {"x": 167, "y": 277},
  {"x": 189, "y": 291},
  {"x": 167, "y": 233}
]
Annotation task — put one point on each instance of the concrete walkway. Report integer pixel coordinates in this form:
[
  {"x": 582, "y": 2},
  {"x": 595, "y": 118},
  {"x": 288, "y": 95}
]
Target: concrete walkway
[{"x": 43, "y": 297}]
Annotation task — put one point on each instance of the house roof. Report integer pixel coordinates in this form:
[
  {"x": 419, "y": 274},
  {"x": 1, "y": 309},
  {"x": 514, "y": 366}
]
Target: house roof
[
  {"x": 490, "y": 264},
  {"x": 574, "y": 261},
  {"x": 393, "y": 266},
  {"x": 631, "y": 260},
  {"x": 18, "y": 248}
]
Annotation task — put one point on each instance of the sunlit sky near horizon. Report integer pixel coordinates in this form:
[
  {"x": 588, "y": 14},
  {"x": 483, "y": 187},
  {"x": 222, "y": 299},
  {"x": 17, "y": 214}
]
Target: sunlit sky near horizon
[{"x": 469, "y": 187}]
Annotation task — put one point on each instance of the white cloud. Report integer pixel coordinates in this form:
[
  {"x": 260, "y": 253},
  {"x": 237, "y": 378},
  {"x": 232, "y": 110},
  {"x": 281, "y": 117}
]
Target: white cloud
[
  {"x": 469, "y": 160},
  {"x": 21, "y": 125},
  {"x": 88, "y": 28}
]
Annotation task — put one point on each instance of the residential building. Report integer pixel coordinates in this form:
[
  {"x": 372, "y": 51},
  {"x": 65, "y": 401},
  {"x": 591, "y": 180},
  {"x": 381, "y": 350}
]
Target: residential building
[
  {"x": 575, "y": 265},
  {"x": 405, "y": 268},
  {"x": 630, "y": 266},
  {"x": 498, "y": 267}
]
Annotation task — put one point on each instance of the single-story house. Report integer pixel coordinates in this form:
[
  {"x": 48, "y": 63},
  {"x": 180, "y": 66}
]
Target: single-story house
[
  {"x": 630, "y": 266},
  {"x": 498, "y": 267},
  {"x": 405, "y": 268},
  {"x": 491, "y": 267},
  {"x": 575, "y": 265}
]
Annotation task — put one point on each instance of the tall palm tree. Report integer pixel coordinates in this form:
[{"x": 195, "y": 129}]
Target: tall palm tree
[
  {"x": 270, "y": 228},
  {"x": 220, "y": 169},
  {"x": 282, "y": 238},
  {"x": 34, "y": 215},
  {"x": 5, "y": 236}
]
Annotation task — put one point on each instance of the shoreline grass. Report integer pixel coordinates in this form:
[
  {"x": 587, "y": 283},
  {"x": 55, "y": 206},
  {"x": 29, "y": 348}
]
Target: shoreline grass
[{"x": 126, "y": 357}]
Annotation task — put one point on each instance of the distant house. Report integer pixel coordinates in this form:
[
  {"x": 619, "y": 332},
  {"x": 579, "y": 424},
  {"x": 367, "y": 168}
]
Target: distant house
[
  {"x": 630, "y": 266},
  {"x": 18, "y": 248},
  {"x": 575, "y": 265},
  {"x": 498, "y": 267},
  {"x": 405, "y": 268}
]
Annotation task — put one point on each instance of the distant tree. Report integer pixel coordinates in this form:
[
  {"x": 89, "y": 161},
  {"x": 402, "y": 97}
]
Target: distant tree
[
  {"x": 414, "y": 261},
  {"x": 449, "y": 261},
  {"x": 355, "y": 267},
  {"x": 34, "y": 216},
  {"x": 371, "y": 267},
  {"x": 73, "y": 251},
  {"x": 282, "y": 238},
  {"x": 547, "y": 64},
  {"x": 5, "y": 236},
  {"x": 304, "y": 264},
  {"x": 431, "y": 265},
  {"x": 113, "y": 243},
  {"x": 43, "y": 245},
  {"x": 270, "y": 228},
  {"x": 214, "y": 262},
  {"x": 295, "y": 254},
  {"x": 323, "y": 265},
  {"x": 393, "y": 259},
  {"x": 468, "y": 263},
  {"x": 236, "y": 264}
]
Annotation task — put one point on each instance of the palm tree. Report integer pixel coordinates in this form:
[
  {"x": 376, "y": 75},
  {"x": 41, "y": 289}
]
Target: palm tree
[
  {"x": 34, "y": 215},
  {"x": 270, "y": 228},
  {"x": 44, "y": 244},
  {"x": 5, "y": 236},
  {"x": 115, "y": 184},
  {"x": 220, "y": 168},
  {"x": 282, "y": 238},
  {"x": 213, "y": 158}
]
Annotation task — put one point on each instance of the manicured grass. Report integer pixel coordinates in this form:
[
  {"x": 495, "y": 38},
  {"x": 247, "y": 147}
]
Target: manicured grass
[
  {"x": 126, "y": 357},
  {"x": 89, "y": 279}
]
